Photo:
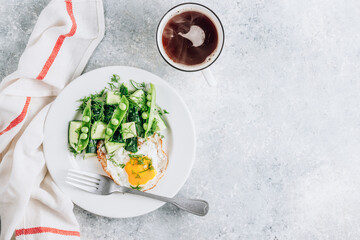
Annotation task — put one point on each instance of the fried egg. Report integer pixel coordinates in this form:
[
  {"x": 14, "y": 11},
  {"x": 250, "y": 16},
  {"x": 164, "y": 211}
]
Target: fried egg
[{"x": 141, "y": 170}]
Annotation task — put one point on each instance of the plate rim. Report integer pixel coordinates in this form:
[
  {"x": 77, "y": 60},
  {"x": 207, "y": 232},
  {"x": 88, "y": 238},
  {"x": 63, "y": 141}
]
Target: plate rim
[{"x": 162, "y": 81}]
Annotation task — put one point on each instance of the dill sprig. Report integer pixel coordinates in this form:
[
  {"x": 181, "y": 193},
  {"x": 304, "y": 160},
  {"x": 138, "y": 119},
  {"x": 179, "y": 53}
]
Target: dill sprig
[
  {"x": 117, "y": 164},
  {"x": 150, "y": 167},
  {"x": 162, "y": 111},
  {"x": 73, "y": 151},
  {"x": 124, "y": 91},
  {"x": 97, "y": 109},
  {"x": 138, "y": 86},
  {"x": 83, "y": 101},
  {"x": 136, "y": 188},
  {"x": 114, "y": 82},
  {"x": 140, "y": 161},
  {"x": 108, "y": 112},
  {"x": 117, "y": 137},
  {"x": 135, "y": 155}
]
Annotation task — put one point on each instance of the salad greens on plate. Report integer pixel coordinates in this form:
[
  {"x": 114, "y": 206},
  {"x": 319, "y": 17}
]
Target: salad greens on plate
[{"x": 119, "y": 114}]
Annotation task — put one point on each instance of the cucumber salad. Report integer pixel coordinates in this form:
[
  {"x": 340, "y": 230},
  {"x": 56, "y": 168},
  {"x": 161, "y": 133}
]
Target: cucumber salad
[{"x": 120, "y": 116}]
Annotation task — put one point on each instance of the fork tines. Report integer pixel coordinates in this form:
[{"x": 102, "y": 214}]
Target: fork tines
[{"x": 83, "y": 180}]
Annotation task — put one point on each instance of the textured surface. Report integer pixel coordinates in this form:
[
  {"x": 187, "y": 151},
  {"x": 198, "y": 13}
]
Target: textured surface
[{"x": 277, "y": 141}]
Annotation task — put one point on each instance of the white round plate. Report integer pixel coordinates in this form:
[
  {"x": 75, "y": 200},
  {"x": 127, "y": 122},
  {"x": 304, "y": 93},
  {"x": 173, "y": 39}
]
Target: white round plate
[{"x": 179, "y": 137}]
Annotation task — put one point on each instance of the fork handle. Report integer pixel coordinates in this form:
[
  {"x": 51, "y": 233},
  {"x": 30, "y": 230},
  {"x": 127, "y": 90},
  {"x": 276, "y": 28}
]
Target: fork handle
[{"x": 194, "y": 206}]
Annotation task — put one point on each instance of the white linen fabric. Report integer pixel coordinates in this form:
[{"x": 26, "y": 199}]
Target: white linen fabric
[{"x": 63, "y": 39}]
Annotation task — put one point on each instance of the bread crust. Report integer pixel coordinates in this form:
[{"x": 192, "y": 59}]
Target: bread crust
[{"x": 101, "y": 155}]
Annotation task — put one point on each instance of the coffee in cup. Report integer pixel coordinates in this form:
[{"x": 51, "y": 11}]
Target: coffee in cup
[{"x": 190, "y": 37}]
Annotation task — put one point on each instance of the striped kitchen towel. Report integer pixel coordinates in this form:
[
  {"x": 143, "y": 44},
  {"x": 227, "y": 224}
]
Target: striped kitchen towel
[{"x": 63, "y": 39}]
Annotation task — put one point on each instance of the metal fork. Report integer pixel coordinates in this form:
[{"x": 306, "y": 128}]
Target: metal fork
[{"x": 103, "y": 185}]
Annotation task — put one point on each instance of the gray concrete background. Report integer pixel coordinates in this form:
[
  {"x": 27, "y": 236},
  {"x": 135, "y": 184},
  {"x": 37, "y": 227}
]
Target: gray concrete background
[{"x": 278, "y": 140}]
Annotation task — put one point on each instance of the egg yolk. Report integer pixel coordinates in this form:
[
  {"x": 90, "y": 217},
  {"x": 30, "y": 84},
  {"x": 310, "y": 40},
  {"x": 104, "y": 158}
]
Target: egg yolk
[{"x": 140, "y": 170}]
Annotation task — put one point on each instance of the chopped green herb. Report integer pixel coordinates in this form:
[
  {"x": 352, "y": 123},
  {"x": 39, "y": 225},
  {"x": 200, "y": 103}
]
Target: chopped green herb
[
  {"x": 97, "y": 109},
  {"x": 162, "y": 111},
  {"x": 110, "y": 156},
  {"x": 135, "y": 155},
  {"x": 150, "y": 167},
  {"x": 140, "y": 161},
  {"x": 73, "y": 151},
  {"x": 117, "y": 164},
  {"x": 137, "y": 187},
  {"x": 124, "y": 90},
  {"x": 117, "y": 136},
  {"x": 131, "y": 145},
  {"x": 137, "y": 85},
  {"x": 84, "y": 100},
  {"x": 114, "y": 82},
  {"x": 108, "y": 112}
]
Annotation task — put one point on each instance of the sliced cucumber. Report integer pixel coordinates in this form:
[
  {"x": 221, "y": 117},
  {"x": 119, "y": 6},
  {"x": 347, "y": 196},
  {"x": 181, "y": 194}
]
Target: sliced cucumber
[
  {"x": 113, "y": 98},
  {"x": 91, "y": 147},
  {"x": 98, "y": 130},
  {"x": 128, "y": 130},
  {"x": 90, "y": 150},
  {"x": 160, "y": 123},
  {"x": 87, "y": 155},
  {"x": 138, "y": 97},
  {"x": 111, "y": 147},
  {"x": 74, "y": 130}
]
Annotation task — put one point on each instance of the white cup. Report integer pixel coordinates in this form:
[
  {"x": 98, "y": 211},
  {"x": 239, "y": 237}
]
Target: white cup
[{"x": 185, "y": 7}]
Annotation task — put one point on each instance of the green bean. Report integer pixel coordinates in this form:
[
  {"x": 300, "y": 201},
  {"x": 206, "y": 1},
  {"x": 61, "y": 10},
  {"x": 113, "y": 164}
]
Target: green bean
[
  {"x": 122, "y": 106},
  {"x": 85, "y": 126},
  {"x": 83, "y": 136},
  {"x": 144, "y": 115},
  {"x": 85, "y": 129},
  {"x": 114, "y": 121},
  {"x": 117, "y": 118},
  {"x": 152, "y": 106}
]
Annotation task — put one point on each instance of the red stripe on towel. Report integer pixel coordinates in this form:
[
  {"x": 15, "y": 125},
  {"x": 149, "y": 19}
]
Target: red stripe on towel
[
  {"x": 36, "y": 230},
  {"x": 47, "y": 65},
  {"x": 59, "y": 42},
  {"x": 19, "y": 118}
]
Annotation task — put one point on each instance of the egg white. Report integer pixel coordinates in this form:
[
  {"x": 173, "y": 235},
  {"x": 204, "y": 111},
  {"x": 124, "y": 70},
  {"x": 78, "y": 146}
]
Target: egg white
[{"x": 150, "y": 147}]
